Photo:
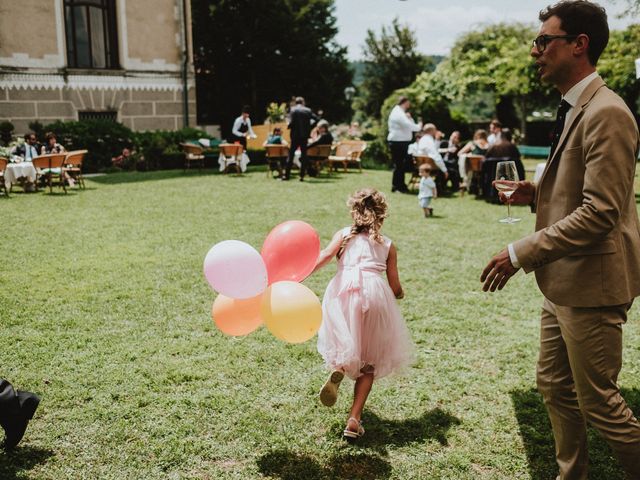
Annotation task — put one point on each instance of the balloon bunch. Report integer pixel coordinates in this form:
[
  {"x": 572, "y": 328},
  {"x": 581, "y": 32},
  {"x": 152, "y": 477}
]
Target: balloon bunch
[{"x": 264, "y": 287}]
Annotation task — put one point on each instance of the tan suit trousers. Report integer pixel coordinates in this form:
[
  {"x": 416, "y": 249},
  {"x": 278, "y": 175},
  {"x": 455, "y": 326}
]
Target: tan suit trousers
[{"x": 577, "y": 372}]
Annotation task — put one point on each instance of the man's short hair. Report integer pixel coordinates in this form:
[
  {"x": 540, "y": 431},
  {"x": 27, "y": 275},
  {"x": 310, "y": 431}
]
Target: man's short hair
[
  {"x": 496, "y": 122},
  {"x": 246, "y": 109},
  {"x": 402, "y": 99},
  {"x": 299, "y": 101},
  {"x": 505, "y": 134},
  {"x": 582, "y": 17},
  {"x": 428, "y": 127},
  {"x": 28, "y": 135}
]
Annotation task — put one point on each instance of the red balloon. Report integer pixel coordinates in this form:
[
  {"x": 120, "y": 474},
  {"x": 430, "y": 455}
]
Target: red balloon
[{"x": 291, "y": 251}]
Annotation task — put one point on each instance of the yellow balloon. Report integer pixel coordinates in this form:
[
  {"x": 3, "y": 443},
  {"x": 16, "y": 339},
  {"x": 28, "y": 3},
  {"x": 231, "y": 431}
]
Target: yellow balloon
[
  {"x": 291, "y": 311},
  {"x": 235, "y": 316}
]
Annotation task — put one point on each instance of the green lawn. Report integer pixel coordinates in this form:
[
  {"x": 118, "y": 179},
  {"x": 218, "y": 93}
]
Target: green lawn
[{"x": 104, "y": 312}]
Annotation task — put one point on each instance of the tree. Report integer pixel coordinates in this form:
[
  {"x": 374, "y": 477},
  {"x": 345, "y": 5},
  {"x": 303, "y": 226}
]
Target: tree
[
  {"x": 245, "y": 54},
  {"x": 617, "y": 67},
  {"x": 391, "y": 62},
  {"x": 496, "y": 59}
]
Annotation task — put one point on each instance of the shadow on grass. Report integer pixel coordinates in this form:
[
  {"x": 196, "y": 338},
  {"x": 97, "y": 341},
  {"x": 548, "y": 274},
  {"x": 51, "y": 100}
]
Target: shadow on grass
[
  {"x": 135, "y": 177},
  {"x": 13, "y": 464},
  {"x": 288, "y": 465},
  {"x": 537, "y": 437},
  {"x": 381, "y": 433}
]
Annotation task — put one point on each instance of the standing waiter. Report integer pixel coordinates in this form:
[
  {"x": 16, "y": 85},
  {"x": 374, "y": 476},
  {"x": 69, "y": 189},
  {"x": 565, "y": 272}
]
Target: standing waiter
[
  {"x": 401, "y": 128},
  {"x": 242, "y": 128}
]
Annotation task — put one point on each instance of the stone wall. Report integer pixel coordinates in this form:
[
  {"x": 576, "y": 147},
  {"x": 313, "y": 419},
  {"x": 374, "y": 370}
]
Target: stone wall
[{"x": 137, "y": 109}]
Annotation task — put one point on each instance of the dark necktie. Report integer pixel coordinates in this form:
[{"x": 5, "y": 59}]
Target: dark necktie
[{"x": 563, "y": 108}]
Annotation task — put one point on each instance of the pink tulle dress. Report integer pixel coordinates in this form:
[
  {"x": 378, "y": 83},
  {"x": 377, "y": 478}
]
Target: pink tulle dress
[{"x": 361, "y": 322}]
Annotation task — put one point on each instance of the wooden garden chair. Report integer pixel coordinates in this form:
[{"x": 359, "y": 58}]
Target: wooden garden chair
[
  {"x": 3, "y": 167},
  {"x": 232, "y": 154},
  {"x": 417, "y": 161},
  {"x": 318, "y": 156},
  {"x": 73, "y": 165},
  {"x": 193, "y": 154},
  {"x": 347, "y": 151},
  {"x": 276, "y": 155},
  {"x": 52, "y": 168}
]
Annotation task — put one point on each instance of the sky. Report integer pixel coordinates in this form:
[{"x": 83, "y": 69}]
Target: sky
[{"x": 437, "y": 23}]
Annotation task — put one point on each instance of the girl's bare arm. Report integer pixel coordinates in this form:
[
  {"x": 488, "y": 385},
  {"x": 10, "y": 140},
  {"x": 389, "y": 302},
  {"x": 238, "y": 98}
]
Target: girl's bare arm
[
  {"x": 392, "y": 272},
  {"x": 328, "y": 253}
]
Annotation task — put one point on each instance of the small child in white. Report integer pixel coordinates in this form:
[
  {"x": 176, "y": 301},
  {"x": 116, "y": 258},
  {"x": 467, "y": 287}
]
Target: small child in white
[{"x": 427, "y": 189}]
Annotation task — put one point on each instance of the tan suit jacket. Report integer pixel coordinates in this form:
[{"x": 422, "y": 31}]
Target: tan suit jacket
[{"x": 586, "y": 248}]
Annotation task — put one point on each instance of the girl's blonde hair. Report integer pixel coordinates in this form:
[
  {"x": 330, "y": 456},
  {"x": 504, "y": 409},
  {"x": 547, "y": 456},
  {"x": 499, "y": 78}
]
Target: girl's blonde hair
[{"x": 368, "y": 210}]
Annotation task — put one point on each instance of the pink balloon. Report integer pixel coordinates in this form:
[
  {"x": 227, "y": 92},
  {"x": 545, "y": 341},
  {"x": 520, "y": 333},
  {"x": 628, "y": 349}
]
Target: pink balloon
[
  {"x": 290, "y": 251},
  {"x": 235, "y": 269}
]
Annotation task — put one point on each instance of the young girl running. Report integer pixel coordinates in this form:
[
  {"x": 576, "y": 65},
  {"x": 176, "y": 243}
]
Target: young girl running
[{"x": 363, "y": 334}]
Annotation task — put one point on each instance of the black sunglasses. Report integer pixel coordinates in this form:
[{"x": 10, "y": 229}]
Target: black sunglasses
[{"x": 541, "y": 42}]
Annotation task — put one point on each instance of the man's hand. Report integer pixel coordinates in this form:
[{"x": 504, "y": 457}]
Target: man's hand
[
  {"x": 498, "y": 272},
  {"x": 524, "y": 193}
]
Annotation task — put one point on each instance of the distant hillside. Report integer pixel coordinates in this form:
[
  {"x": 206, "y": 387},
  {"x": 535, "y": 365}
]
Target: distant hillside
[{"x": 358, "y": 68}]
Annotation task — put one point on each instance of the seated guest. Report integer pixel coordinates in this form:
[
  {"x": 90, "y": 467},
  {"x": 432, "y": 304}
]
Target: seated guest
[
  {"x": 494, "y": 131},
  {"x": 506, "y": 149},
  {"x": 429, "y": 147},
  {"x": 275, "y": 138},
  {"x": 478, "y": 146},
  {"x": 323, "y": 137},
  {"x": 28, "y": 150},
  {"x": 453, "y": 146},
  {"x": 412, "y": 149},
  {"x": 51, "y": 145}
]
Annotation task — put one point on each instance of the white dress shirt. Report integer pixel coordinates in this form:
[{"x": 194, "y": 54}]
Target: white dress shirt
[
  {"x": 401, "y": 127},
  {"x": 427, "y": 146},
  {"x": 236, "y": 127},
  {"x": 571, "y": 97}
]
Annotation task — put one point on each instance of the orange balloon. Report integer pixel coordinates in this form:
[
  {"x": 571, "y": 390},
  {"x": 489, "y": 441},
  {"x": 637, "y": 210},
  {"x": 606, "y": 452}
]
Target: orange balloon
[
  {"x": 291, "y": 311},
  {"x": 235, "y": 316}
]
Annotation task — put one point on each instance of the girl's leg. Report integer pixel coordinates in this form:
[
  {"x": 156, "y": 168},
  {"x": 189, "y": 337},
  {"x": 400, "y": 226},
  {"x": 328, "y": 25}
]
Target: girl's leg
[{"x": 360, "y": 394}]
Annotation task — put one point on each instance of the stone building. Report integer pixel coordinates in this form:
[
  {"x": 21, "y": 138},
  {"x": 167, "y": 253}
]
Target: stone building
[{"x": 124, "y": 60}]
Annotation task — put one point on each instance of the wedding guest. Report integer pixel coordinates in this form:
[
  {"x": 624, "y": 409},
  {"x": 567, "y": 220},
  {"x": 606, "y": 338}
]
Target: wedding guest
[
  {"x": 401, "y": 129},
  {"x": 51, "y": 145},
  {"x": 27, "y": 150},
  {"x": 585, "y": 251},
  {"x": 428, "y": 146},
  {"x": 506, "y": 149},
  {"x": 324, "y": 137},
  {"x": 300, "y": 125},
  {"x": 453, "y": 146},
  {"x": 495, "y": 128},
  {"x": 478, "y": 146},
  {"x": 275, "y": 138}
]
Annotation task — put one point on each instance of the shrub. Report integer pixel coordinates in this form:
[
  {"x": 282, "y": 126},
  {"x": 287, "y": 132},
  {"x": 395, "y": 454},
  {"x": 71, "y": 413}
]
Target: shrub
[{"x": 103, "y": 139}]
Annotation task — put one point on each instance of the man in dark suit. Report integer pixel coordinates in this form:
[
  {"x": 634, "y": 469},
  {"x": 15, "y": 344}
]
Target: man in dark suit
[
  {"x": 16, "y": 409},
  {"x": 29, "y": 149},
  {"x": 300, "y": 126}
]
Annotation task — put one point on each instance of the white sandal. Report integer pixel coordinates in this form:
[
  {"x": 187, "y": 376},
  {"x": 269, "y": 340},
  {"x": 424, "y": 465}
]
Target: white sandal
[
  {"x": 329, "y": 391},
  {"x": 353, "y": 435}
]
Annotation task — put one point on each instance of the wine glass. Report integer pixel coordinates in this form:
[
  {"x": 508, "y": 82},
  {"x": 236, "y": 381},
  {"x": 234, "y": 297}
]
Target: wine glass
[{"x": 506, "y": 176}]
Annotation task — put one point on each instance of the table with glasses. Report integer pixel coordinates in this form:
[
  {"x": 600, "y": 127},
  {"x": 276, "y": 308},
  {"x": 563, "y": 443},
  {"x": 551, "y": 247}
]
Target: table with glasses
[{"x": 19, "y": 172}]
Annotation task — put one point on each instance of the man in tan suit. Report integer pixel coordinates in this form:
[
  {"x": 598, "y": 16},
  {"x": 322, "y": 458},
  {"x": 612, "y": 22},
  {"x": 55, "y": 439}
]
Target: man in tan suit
[{"x": 586, "y": 248}]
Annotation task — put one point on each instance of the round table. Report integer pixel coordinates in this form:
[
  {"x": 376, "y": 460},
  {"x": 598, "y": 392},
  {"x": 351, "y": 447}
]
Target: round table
[{"x": 16, "y": 171}]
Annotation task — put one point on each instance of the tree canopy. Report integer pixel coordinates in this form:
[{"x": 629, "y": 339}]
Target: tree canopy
[
  {"x": 254, "y": 53},
  {"x": 391, "y": 61}
]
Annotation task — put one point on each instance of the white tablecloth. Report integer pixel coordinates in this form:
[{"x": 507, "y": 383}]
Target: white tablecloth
[
  {"x": 539, "y": 171},
  {"x": 15, "y": 171},
  {"x": 243, "y": 162}
]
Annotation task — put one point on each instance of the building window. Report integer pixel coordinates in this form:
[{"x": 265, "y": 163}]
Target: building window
[
  {"x": 108, "y": 116},
  {"x": 92, "y": 38}
]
